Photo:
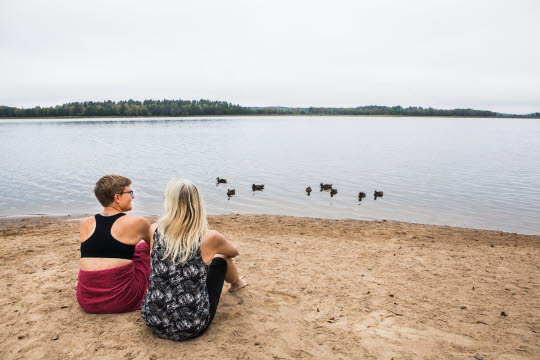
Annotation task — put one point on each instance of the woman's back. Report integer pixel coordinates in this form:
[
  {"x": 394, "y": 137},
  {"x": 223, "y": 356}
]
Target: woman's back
[
  {"x": 114, "y": 263},
  {"x": 184, "y": 292},
  {"x": 176, "y": 306}
]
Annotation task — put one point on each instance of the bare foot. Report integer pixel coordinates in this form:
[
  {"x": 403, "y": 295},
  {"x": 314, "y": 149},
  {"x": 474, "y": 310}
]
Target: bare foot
[{"x": 241, "y": 284}]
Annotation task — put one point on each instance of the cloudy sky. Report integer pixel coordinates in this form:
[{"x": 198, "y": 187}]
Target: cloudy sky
[{"x": 444, "y": 54}]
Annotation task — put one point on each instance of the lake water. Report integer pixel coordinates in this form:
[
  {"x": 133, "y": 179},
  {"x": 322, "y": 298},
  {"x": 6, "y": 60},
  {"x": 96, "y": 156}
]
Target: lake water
[{"x": 478, "y": 173}]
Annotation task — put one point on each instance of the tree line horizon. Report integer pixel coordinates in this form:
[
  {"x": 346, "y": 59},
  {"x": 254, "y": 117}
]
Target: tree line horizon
[{"x": 170, "y": 108}]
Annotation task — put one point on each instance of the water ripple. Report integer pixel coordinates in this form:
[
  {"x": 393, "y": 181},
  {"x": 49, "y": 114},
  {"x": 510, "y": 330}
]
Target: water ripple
[{"x": 482, "y": 173}]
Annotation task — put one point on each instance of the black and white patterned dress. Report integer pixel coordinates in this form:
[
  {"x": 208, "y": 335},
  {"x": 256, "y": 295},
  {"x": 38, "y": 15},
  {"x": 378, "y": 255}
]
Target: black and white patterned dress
[{"x": 176, "y": 306}]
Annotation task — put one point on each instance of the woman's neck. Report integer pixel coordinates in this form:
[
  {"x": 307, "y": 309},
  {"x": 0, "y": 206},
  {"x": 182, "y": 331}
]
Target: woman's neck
[{"x": 111, "y": 210}]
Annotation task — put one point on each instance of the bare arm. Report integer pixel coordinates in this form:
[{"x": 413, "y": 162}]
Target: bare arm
[
  {"x": 223, "y": 246},
  {"x": 153, "y": 228},
  {"x": 215, "y": 243},
  {"x": 145, "y": 230}
]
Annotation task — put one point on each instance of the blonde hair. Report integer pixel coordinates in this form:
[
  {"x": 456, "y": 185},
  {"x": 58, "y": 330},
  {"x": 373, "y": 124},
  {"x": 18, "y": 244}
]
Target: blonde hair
[{"x": 184, "y": 222}]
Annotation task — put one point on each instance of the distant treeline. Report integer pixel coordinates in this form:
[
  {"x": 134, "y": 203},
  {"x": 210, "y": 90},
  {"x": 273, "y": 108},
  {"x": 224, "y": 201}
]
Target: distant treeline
[{"x": 132, "y": 108}]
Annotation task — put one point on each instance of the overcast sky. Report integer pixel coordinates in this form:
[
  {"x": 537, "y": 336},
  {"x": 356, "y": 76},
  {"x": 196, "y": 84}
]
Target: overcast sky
[{"x": 444, "y": 54}]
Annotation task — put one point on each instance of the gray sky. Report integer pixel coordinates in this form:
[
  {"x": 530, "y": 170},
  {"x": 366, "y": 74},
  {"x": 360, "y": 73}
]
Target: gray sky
[{"x": 444, "y": 54}]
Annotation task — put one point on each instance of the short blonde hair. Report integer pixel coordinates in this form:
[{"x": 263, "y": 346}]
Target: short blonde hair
[
  {"x": 184, "y": 222},
  {"x": 108, "y": 186}
]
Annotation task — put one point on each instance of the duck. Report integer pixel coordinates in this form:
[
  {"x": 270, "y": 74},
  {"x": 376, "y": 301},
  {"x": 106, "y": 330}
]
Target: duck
[
  {"x": 333, "y": 192},
  {"x": 361, "y": 195},
  {"x": 378, "y": 193},
  {"x": 326, "y": 186},
  {"x": 308, "y": 190},
  {"x": 231, "y": 192},
  {"x": 221, "y": 181},
  {"x": 257, "y": 187}
]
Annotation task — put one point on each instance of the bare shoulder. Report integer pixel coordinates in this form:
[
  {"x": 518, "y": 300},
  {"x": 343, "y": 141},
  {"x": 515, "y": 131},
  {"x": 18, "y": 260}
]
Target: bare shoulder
[
  {"x": 210, "y": 244},
  {"x": 87, "y": 222},
  {"x": 86, "y": 228},
  {"x": 136, "y": 220},
  {"x": 212, "y": 235},
  {"x": 134, "y": 225},
  {"x": 213, "y": 238}
]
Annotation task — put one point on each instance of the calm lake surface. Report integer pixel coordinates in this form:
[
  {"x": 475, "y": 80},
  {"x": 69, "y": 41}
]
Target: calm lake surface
[{"x": 477, "y": 173}]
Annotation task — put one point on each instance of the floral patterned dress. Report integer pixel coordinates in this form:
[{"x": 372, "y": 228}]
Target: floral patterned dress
[{"x": 176, "y": 306}]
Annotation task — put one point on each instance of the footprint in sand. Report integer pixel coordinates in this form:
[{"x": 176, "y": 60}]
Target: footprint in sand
[
  {"x": 281, "y": 298},
  {"x": 383, "y": 330}
]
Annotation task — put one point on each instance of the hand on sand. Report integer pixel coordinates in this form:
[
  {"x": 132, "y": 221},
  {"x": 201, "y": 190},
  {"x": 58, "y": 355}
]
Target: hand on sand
[{"x": 242, "y": 283}]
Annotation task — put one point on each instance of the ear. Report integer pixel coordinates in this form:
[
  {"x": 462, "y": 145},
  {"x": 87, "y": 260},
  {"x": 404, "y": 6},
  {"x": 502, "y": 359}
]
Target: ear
[{"x": 116, "y": 198}]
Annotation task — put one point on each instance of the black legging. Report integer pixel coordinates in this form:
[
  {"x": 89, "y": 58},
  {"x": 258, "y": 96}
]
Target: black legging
[{"x": 214, "y": 283}]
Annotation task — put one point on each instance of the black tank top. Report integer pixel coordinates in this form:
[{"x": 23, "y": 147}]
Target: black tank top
[{"x": 102, "y": 244}]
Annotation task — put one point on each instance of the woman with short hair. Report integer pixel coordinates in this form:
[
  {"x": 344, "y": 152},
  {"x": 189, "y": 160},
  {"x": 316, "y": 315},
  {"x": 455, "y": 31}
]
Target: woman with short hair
[
  {"x": 115, "y": 259},
  {"x": 189, "y": 264}
]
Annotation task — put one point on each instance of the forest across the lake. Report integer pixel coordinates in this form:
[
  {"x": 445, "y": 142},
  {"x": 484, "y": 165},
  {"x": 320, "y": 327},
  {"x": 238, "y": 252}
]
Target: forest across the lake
[{"x": 135, "y": 108}]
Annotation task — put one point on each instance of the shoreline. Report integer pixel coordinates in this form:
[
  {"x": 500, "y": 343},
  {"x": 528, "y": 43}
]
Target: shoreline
[
  {"x": 265, "y": 115},
  {"x": 319, "y": 289},
  {"x": 75, "y": 217}
]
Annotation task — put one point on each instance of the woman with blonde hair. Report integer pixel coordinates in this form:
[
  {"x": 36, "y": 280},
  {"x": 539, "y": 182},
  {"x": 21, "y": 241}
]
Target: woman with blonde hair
[{"x": 189, "y": 264}]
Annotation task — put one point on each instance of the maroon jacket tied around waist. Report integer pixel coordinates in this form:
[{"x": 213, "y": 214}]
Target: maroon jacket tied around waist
[{"x": 116, "y": 290}]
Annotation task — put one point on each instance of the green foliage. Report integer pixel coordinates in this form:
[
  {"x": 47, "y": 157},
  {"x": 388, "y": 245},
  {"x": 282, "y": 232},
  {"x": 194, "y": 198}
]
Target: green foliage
[
  {"x": 129, "y": 108},
  {"x": 165, "y": 108}
]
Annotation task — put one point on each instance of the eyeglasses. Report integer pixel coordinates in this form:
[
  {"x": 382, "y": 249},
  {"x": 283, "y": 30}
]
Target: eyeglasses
[{"x": 126, "y": 192}]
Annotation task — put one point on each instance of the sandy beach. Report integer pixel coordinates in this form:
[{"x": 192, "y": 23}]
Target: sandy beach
[{"x": 319, "y": 289}]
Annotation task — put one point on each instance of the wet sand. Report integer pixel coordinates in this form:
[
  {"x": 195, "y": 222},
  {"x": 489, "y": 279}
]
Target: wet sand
[{"x": 319, "y": 289}]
